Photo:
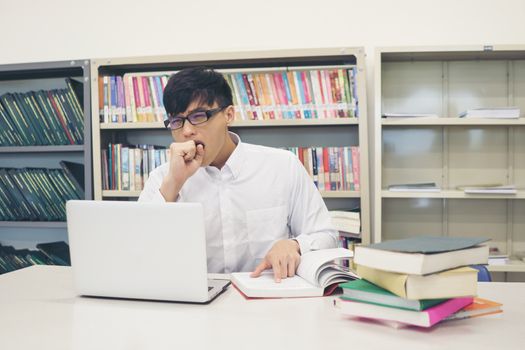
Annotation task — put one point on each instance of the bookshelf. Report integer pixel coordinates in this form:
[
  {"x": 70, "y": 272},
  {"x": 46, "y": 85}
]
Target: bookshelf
[
  {"x": 329, "y": 132},
  {"x": 448, "y": 150},
  {"x": 22, "y": 78}
]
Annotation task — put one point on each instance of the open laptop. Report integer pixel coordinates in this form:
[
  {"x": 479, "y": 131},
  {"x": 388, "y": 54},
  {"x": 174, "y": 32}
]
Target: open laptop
[{"x": 153, "y": 251}]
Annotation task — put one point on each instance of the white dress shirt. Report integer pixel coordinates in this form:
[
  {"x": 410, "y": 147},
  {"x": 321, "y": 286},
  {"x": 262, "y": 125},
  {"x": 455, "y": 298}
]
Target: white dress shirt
[{"x": 260, "y": 195}]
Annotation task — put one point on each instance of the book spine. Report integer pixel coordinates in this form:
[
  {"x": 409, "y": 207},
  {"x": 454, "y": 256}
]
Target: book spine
[
  {"x": 139, "y": 99},
  {"x": 60, "y": 116},
  {"x": 279, "y": 112},
  {"x": 356, "y": 168},
  {"x": 297, "y": 94},
  {"x": 285, "y": 85},
  {"x": 250, "y": 95},
  {"x": 131, "y": 168}
]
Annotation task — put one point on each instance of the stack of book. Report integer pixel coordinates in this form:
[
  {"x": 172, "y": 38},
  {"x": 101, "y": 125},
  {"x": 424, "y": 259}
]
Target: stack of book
[
  {"x": 489, "y": 189},
  {"x": 417, "y": 281},
  {"x": 492, "y": 113},
  {"x": 415, "y": 187},
  {"x": 348, "y": 223}
]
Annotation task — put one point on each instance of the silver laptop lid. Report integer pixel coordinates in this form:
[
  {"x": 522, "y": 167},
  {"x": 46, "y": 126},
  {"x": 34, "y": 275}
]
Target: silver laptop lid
[{"x": 138, "y": 250}]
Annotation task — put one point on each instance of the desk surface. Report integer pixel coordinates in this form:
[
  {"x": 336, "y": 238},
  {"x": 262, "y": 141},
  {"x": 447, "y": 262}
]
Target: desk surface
[{"x": 39, "y": 310}]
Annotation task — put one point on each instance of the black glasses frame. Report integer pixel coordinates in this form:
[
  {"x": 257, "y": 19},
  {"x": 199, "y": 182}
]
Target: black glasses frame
[{"x": 209, "y": 113}]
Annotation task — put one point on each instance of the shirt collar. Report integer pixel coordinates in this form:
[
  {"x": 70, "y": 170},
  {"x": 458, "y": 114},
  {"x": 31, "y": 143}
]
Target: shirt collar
[{"x": 236, "y": 159}]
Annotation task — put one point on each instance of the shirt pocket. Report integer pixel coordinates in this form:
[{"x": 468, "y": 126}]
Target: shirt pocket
[{"x": 265, "y": 226}]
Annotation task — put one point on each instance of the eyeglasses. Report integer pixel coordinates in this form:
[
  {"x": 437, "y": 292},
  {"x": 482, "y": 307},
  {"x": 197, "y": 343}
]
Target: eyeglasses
[{"x": 196, "y": 118}]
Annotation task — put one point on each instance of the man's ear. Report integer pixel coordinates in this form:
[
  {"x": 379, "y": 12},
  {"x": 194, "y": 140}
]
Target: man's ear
[{"x": 230, "y": 114}]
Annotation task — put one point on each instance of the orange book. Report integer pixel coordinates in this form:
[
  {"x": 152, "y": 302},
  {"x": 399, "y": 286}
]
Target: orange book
[
  {"x": 268, "y": 100},
  {"x": 261, "y": 96},
  {"x": 479, "y": 307}
]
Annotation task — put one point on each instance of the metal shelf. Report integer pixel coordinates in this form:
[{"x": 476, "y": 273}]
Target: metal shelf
[
  {"x": 34, "y": 224},
  {"x": 431, "y": 121},
  {"x": 324, "y": 194},
  {"x": 241, "y": 123},
  {"x": 449, "y": 194},
  {"x": 42, "y": 149}
]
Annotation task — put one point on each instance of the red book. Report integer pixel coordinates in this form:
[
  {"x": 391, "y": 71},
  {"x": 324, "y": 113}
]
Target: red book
[
  {"x": 355, "y": 167},
  {"x": 326, "y": 168},
  {"x": 138, "y": 106},
  {"x": 250, "y": 93}
]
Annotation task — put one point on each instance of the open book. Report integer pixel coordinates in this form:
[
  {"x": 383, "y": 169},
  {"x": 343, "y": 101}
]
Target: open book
[{"x": 318, "y": 270}]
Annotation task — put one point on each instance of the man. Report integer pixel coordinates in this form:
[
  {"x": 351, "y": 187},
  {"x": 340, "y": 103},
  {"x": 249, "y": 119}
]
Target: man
[{"x": 262, "y": 210}]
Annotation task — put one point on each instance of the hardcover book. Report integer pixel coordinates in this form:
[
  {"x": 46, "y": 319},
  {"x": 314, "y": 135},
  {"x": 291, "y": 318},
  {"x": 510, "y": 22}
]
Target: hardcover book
[
  {"x": 426, "y": 318},
  {"x": 453, "y": 283},
  {"x": 423, "y": 255},
  {"x": 364, "y": 291}
]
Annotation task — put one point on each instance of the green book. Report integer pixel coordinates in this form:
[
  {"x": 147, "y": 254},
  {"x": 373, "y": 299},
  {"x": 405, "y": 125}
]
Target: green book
[{"x": 364, "y": 291}]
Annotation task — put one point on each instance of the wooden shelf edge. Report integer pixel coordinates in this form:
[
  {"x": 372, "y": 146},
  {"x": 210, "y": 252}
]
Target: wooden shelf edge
[
  {"x": 449, "y": 194},
  {"x": 34, "y": 224},
  {"x": 241, "y": 123},
  {"x": 42, "y": 149},
  {"x": 450, "y": 121},
  {"x": 324, "y": 194}
]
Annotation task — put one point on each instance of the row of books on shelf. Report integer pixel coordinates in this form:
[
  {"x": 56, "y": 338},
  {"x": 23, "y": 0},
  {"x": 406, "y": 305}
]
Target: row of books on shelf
[
  {"x": 127, "y": 167},
  {"x": 34, "y": 118},
  {"x": 469, "y": 189},
  {"x": 52, "y": 253},
  {"x": 38, "y": 194},
  {"x": 475, "y": 113},
  {"x": 331, "y": 168},
  {"x": 417, "y": 281},
  {"x": 133, "y": 97},
  {"x": 298, "y": 94}
]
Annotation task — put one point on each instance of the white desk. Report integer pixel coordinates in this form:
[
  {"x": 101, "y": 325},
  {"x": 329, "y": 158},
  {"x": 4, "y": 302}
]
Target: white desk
[{"x": 39, "y": 310}]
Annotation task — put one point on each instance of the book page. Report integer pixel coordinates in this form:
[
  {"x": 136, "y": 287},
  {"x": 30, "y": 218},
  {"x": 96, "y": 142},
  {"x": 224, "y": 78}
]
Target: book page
[
  {"x": 333, "y": 273},
  {"x": 265, "y": 286},
  {"x": 312, "y": 262}
]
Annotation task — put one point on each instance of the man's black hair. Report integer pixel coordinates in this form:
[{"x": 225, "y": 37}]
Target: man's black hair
[{"x": 201, "y": 85}]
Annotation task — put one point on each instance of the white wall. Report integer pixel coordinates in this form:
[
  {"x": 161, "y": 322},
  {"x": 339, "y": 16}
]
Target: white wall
[
  {"x": 47, "y": 30},
  {"x": 34, "y": 30}
]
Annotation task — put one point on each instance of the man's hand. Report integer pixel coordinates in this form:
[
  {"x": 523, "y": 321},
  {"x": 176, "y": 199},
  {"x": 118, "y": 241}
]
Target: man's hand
[
  {"x": 283, "y": 258},
  {"x": 185, "y": 160}
]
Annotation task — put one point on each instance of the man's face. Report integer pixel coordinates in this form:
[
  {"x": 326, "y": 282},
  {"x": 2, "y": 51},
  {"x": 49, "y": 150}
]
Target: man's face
[{"x": 212, "y": 133}]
